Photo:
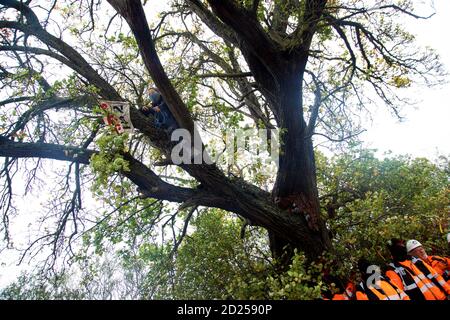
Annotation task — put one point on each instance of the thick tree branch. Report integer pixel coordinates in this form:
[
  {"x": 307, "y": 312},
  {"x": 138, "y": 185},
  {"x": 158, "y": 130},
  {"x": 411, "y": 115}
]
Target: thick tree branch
[
  {"x": 213, "y": 23},
  {"x": 13, "y": 149},
  {"x": 226, "y": 75},
  {"x": 314, "y": 109},
  {"x": 249, "y": 32},
  {"x": 134, "y": 14},
  {"x": 23, "y": 8},
  {"x": 14, "y": 100},
  {"x": 313, "y": 11},
  {"x": 280, "y": 16},
  {"x": 39, "y": 51},
  {"x": 248, "y": 201},
  {"x": 149, "y": 183},
  {"x": 255, "y": 6}
]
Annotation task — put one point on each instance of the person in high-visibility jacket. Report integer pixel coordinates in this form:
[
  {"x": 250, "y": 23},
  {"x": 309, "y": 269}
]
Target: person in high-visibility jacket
[
  {"x": 440, "y": 265},
  {"x": 347, "y": 294},
  {"x": 374, "y": 286},
  {"x": 408, "y": 277},
  {"x": 345, "y": 288}
]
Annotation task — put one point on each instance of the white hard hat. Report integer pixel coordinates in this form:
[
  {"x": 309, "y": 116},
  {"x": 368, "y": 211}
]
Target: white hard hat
[
  {"x": 412, "y": 244},
  {"x": 448, "y": 237}
]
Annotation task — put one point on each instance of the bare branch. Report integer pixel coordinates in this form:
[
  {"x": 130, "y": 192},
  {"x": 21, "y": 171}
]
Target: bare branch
[
  {"x": 314, "y": 108},
  {"x": 184, "y": 231},
  {"x": 225, "y": 75},
  {"x": 409, "y": 13},
  {"x": 340, "y": 139},
  {"x": 79, "y": 64},
  {"x": 52, "y": 103},
  {"x": 39, "y": 51}
]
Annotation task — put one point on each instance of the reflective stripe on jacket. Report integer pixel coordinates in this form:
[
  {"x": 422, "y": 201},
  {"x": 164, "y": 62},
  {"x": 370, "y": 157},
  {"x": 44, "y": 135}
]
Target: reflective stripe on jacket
[
  {"x": 441, "y": 265},
  {"x": 410, "y": 279},
  {"x": 385, "y": 291},
  {"x": 434, "y": 277}
]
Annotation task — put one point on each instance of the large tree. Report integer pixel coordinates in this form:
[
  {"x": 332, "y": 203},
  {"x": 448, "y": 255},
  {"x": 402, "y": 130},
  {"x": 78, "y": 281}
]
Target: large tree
[{"x": 304, "y": 67}]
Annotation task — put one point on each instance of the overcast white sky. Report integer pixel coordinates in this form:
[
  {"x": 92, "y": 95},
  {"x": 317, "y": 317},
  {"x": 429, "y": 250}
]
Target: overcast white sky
[{"x": 425, "y": 132}]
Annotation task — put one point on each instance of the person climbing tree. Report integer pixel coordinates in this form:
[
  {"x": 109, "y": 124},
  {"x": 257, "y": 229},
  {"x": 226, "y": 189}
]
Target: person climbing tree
[{"x": 160, "y": 111}]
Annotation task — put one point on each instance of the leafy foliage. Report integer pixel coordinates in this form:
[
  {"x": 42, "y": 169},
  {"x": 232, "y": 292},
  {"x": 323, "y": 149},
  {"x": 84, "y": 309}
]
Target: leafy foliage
[
  {"x": 307, "y": 68},
  {"x": 374, "y": 199},
  {"x": 33, "y": 287}
]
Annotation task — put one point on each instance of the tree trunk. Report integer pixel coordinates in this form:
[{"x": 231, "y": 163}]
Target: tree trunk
[
  {"x": 295, "y": 188},
  {"x": 279, "y": 74}
]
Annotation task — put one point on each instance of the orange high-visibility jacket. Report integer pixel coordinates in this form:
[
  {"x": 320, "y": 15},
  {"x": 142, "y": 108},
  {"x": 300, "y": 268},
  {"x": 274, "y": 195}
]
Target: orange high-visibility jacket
[
  {"x": 441, "y": 265},
  {"x": 413, "y": 282},
  {"x": 385, "y": 291},
  {"x": 348, "y": 293},
  {"x": 433, "y": 276},
  {"x": 340, "y": 296}
]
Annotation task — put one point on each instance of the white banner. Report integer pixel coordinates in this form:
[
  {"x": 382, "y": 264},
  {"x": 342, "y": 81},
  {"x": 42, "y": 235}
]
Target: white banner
[{"x": 118, "y": 115}]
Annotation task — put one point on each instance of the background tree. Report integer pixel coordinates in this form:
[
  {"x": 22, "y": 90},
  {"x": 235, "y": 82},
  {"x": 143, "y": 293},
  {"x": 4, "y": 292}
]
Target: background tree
[
  {"x": 301, "y": 66},
  {"x": 368, "y": 201}
]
